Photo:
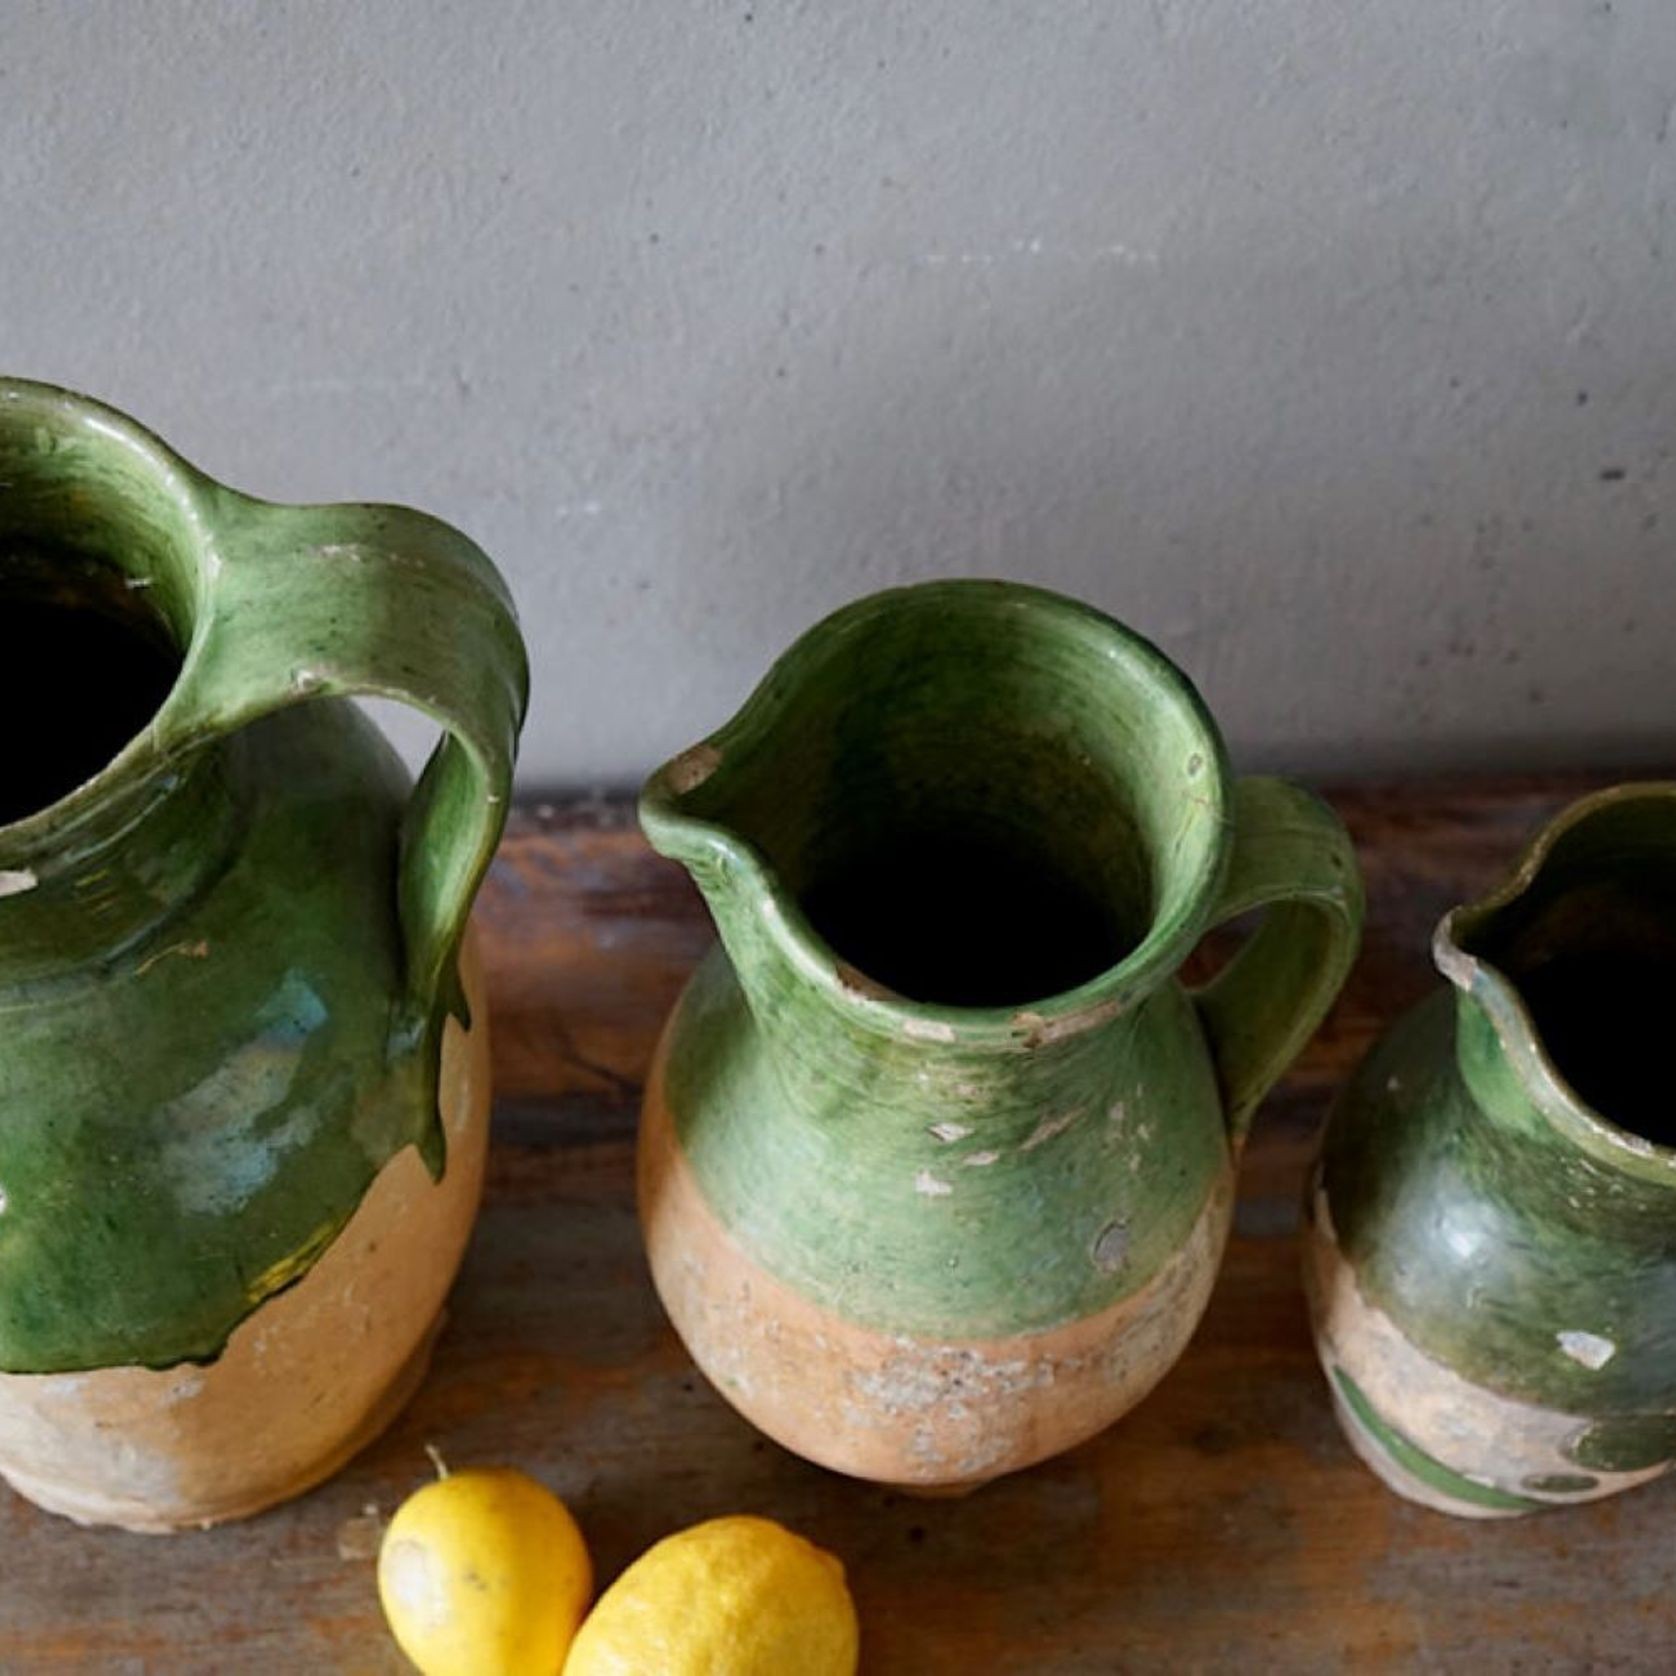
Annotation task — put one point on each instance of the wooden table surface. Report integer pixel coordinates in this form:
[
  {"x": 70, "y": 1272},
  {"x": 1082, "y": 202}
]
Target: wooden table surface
[{"x": 1223, "y": 1526}]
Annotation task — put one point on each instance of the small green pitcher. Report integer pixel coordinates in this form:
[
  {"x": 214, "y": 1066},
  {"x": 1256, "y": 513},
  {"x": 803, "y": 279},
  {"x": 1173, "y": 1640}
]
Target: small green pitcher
[
  {"x": 241, "y": 1125},
  {"x": 1491, "y": 1232},
  {"x": 937, "y": 1155}
]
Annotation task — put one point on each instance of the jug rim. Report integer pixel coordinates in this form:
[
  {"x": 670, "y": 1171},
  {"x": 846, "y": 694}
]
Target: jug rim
[
  {"x": 70, "y": 413},
  {"x": 1498, "y": 994},
  {"x": 1169, "y": 937}
]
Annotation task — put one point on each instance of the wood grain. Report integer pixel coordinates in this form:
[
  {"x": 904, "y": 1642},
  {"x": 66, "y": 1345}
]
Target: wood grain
[{"x": 1224, "y": 1526}]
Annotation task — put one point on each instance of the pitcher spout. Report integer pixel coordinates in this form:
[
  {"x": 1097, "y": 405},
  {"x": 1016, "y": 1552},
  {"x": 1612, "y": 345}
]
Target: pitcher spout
[
  {"x": 966, "y": 813},
  {"x": 1567, "y": 980}
]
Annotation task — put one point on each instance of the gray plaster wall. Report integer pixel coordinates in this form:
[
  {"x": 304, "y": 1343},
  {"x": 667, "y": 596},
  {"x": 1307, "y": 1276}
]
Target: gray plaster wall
[{"x": 1332, "y": 345}]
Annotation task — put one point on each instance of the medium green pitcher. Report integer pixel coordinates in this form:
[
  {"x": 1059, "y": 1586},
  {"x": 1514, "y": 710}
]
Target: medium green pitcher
[
  {"x": 1491, "y": 1232},
  {"x": 242, "y": 1119},
  {"x": 937, "y": 1155}
]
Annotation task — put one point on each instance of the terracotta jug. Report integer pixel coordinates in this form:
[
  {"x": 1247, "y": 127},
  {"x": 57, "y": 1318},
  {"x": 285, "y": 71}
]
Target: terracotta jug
[
  {"x": 1492, "y": 1227},
  {"x": 936, "y": 1163},
  {"x": 243, "y": 1086}
]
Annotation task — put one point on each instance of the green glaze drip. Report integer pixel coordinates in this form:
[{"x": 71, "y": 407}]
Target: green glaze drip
[
  {"x": 226, "y": 958},
  {"x": 1418, "y": 1464},
  {"x": 1040, "y": 1185},
  {"x": 940, "y": 801}
]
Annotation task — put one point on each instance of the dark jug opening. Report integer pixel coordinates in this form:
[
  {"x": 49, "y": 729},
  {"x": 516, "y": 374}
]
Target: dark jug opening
[
  {"x": 85, "y": 662},
  {"x": 1590, "y": 947},
  {"x": 939, "y": 913},
  {"x": 979, "y": 797},
  {"x": 1603, "y": 1017}
]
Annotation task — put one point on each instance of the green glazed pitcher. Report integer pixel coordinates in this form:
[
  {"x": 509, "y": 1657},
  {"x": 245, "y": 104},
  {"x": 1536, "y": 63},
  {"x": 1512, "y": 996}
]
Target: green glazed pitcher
[
  {"x": 1491, "y": 1231},
  {"x": 242, "y": 1115},
  {"x": 937, "y": 1154}
]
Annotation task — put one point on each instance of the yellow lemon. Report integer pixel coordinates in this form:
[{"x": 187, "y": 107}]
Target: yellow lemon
[
  {"x": 733, "y": 1597},
  {"x": 484, "y": 1573}
]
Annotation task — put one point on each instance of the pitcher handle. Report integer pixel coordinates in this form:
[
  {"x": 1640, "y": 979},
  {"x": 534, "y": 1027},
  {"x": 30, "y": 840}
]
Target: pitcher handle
[
  {"x": 1292, "y": 856},
  {"x": 301, "y": 602}
]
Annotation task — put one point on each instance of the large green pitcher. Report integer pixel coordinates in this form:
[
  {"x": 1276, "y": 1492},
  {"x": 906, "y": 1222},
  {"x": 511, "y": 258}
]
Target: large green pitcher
[
  {"x": 937, "y": 1156},
  {"x": 242, "y": 1115}
]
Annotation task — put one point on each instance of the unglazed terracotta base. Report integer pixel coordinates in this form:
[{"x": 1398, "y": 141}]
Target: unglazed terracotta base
[
  {"x": 931, "y": 1418},
  {"x": 304, "y": 1384}
]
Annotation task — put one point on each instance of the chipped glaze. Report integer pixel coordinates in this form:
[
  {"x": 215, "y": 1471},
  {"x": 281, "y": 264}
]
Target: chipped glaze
[
  {"x": 921, "y": 1412},
  {"x": 229, "y": 960},
  {"x": 930, "y": 1244},
  {"x": 1491, "y": 1260}
]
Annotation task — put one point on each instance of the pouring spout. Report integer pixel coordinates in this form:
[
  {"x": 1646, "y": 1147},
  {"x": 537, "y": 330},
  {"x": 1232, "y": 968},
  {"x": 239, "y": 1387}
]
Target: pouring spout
[
  {"x": 1567, "y": 980},
  {"x": 967, "y": 813}
]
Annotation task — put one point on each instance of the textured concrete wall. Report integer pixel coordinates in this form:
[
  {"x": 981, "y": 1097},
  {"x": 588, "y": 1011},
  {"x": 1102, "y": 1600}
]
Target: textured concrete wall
[{"x": 1331, "y": 345}]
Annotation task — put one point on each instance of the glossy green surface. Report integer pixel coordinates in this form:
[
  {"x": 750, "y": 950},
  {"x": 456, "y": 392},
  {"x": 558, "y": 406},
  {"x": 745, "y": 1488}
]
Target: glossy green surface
[
  {"x": 225, "y": 961},
  {"x": 1481, "y": 1201},
  {"x": 974, "y": 1171}
]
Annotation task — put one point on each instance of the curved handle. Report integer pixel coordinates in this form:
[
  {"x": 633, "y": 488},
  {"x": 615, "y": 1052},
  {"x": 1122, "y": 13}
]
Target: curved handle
[
  {"x": 1293, "y": 857},
  {"x": 373, "y": 601}
]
